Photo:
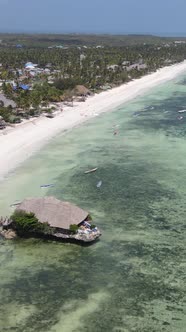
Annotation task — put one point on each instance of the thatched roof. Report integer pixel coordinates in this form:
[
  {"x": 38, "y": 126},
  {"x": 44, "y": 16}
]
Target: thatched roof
[
  {"x": 7, "y": 102},
  {"x": 81, "y": 90},
  {"x": 53, "y": 211}
]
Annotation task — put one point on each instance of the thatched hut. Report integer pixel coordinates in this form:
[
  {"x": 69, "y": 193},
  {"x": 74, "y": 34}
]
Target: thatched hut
[
  {"x": 49, "y": 217},
  {"x": 66, "y": 221},
  {"x": 81, "y": 91},
  {"x": 56, "y": 213}
]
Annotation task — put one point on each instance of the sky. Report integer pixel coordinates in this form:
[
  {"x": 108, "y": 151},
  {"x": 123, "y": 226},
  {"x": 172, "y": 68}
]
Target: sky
[{"x": 160, "y": 17}]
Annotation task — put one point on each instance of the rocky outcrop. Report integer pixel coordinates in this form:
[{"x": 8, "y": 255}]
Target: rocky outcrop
[
  {"x": 80, "y": 236},
  {"x": 8, "y": 234}
]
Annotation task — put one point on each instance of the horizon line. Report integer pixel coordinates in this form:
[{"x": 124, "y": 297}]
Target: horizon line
[{"x": 178, "y": 35}]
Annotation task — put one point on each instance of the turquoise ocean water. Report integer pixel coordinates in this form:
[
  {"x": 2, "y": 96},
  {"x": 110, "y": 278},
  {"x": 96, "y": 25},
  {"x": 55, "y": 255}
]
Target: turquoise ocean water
[{"x": 134, "y": 278}]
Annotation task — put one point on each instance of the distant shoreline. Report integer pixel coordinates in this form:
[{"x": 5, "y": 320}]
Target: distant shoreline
[{"x": 21, "y": 142}]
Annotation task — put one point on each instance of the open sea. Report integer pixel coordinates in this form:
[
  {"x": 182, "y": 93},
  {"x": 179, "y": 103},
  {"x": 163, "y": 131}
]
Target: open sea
[{"x": 134, "y": 278}]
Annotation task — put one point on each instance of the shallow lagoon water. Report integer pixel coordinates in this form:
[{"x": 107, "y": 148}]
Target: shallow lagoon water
[{"x": 133, "y": 279}]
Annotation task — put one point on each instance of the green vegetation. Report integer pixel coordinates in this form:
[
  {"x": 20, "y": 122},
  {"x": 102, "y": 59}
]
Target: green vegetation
[
  {"x": 96, "y": 61},
  {"x": 6, "y": 113},
  {"x": 25, "y": 223},
  {"x": 92, "y": 226},
  {"x": 74, "y": 228}
]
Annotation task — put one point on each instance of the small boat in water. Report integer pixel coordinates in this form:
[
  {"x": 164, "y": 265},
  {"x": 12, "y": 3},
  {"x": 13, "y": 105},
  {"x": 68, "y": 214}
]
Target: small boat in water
[
  {"x": 15, "y": 204},
  {"x": 182, "y": 111},
  {"x": 136, "y": 114},
  {"x": 148, "y": 108},
  {"x": 99, "y": 184},
  {"x": 47, "y": 185},
  {"x": 91, "y": 170}
]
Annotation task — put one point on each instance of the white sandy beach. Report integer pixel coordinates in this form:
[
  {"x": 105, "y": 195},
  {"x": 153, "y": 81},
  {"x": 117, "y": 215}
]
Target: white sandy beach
[{"x": 18, "y": 144}]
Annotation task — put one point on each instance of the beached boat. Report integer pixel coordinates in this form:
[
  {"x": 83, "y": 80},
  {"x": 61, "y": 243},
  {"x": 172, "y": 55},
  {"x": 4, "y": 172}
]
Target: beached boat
[
  {"x": 50, "y": 116},
  {"x": 91, "y": 170}
]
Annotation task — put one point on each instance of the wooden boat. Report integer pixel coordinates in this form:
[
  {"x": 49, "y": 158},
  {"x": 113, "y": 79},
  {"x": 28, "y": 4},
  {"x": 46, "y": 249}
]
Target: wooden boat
[
  {"x": 15, "y": 204},
  {"x": 91, "y": 170},
  {"x": 182, "y": 111},
  {"x": 47, "y": 185}
]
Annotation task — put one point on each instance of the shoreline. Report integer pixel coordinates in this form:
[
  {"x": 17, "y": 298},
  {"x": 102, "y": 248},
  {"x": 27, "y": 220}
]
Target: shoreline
[{"x": 21, "y": 142}]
